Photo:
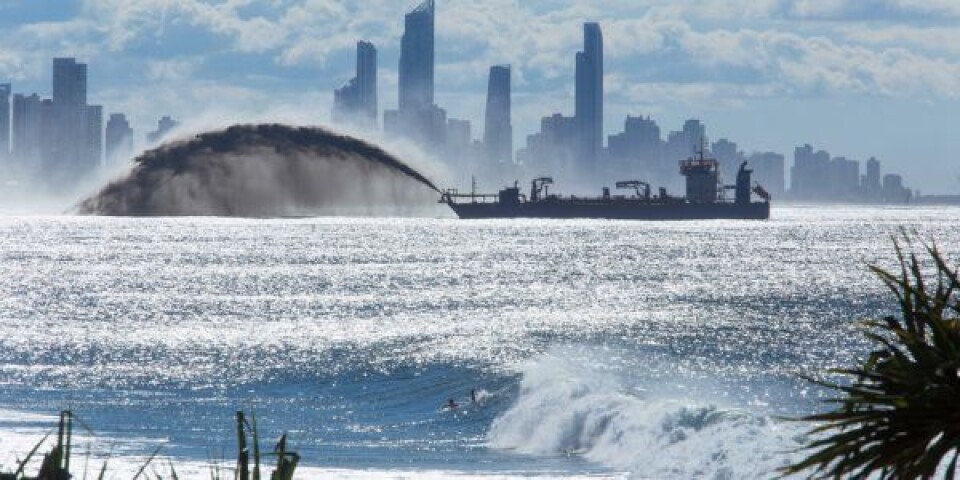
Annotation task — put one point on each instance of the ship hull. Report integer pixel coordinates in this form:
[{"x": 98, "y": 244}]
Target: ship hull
[{"x": 678, "y": 211}]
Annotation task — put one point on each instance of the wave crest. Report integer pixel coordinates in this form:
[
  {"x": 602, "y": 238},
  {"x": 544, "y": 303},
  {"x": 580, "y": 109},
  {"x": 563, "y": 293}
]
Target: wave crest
[{"x": 565, "y": 409}]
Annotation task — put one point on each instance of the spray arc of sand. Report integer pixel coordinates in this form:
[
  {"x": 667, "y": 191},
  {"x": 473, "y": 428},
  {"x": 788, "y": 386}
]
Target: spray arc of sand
[{"x": 267, "y": 170}]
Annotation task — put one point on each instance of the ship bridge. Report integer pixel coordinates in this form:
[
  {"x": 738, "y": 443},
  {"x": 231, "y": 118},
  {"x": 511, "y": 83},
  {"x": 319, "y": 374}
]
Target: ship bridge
[{"x": 703, "y": 178}]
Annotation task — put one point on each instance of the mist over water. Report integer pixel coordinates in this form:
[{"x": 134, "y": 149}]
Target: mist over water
[{"x": 267, "y": 170}]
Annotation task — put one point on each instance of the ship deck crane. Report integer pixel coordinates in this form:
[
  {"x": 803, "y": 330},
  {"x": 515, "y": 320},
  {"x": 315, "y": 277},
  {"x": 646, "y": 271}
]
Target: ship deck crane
[
  {"x": 538, "y": 188},
  {"x": 636, "y": 184}
]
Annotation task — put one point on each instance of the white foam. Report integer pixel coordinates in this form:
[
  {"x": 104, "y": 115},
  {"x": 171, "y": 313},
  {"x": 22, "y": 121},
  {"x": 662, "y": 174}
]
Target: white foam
[{"x": 566, "y": 408}]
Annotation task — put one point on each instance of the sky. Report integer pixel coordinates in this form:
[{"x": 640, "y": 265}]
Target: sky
[{"x": 858, "y": 78}]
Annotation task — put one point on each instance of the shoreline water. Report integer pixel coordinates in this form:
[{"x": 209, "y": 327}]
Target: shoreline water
[{"x": 352, "y": 333}]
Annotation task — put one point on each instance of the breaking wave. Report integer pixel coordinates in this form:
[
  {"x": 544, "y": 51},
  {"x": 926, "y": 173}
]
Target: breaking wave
[
  {"x": 567, "y": 409},
  {"x": 265, "y": 170}
]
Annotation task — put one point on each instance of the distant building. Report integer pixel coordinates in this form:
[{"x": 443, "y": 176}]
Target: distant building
[
  {"x": 417, "y": 117},
  {"x": 682, "y": 145},
  {"x": 638, "y": 149},
  {"x": 72, "y": 157},
  {"x": 589, "y": 98},
  {"x": 458, "y": 135},
  {"x": 417, "y": 58},
  {"x": 894, "y": 191},
  {"x": 28, "y": 125},
  {"x": 357, "y": 100},
  {"x": 552, "y": 151},
  {"x": 870, "y": 186},
  {"x": 119, "y": 139},
  {"x": 769, "y": 170},
  {"x": 809, "y": 177},
  {"x": 729, "y": 156},
  {"x": 93, "y": 137},
  {"x": 164, "y": 126},
  {"x": 844, "y": 179},
  {"x": 497, "y": 128},
  {"x": 5, "y": 92}
]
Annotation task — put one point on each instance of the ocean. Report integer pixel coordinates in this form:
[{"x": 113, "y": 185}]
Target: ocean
[{"x": 596, "y": 349}]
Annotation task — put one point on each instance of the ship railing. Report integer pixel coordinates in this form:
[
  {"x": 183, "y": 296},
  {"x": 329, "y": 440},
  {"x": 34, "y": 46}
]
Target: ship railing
[
  {"x": 453, "y": 196},
  {"x": 698, "y": 163}
]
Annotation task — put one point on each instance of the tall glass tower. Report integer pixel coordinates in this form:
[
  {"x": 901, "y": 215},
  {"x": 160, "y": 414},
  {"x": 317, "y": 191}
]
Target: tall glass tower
[
  {"x": 69, "y": 119},
  {"x": 358, "y": 98},
  {"x": 416, "y": 58},
  {"x": 589, "y": 93},
  {"x": 4, "y": 120},
  {"x": 498, "y": 129}
]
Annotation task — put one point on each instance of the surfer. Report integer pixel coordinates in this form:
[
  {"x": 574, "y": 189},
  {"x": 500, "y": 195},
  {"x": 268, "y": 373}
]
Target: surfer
[
  {"x": 452, "y": 405},
  {"x": 473, "y": 395}
]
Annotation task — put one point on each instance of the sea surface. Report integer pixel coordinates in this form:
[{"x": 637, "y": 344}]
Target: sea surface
[{"x": 601, "y": 349}]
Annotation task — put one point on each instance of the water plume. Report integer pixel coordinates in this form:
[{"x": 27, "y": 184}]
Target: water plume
[{"x": 267, "y": 170}]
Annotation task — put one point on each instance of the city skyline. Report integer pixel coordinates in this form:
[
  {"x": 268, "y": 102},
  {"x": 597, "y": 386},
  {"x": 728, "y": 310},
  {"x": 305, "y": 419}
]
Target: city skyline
[{"x": 905, "y": 126}]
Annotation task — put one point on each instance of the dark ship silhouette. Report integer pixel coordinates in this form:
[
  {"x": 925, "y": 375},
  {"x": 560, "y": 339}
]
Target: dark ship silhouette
[{"x": 705, "y": 199}]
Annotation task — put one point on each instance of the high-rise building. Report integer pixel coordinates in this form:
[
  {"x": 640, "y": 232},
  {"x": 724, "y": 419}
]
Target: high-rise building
[
  {"x": 810, "y": 175},
  {"x": 119, "y": 139},
  {"x": 358, "y": 98},
  {"x": 894, "y": 191},
  {"x": 498, "y": 128},
  {"x": 769, "y": 170},
  {"x": 4, "y": 120},
  {"x": 69, "y": 82},
  {"x": 70, "y": 115},
  {"x": 729, "y": 156},
  {"x": 26, "y": 129},
  {"x": 417, "y": 117},
  {"x": 416, "y": 58},
  {"x": 870, "y": 183},
  {"x": 589, "y": 97},
  {"x": 682, "y": 145},
  {"x": 844, "y": 179},
  {"x": 552, "y": 151},
  {"x": 164, "y": 126},
  {"x": 458, "y": 135},
  {"x": 93, "y": 138},
  {"x": 34, "y": 135},
  {"x": 637, "y": 150}
]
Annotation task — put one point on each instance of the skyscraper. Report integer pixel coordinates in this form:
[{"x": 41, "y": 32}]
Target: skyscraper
[
  {"x": 119, "y": 139},
  {"x": 637, "y": 150},
  {"x": 4, "y": 120},
  {"x": 93, "y": 138},
  {"x": 164, "y": 126},
  {"x": 358, "y": 98},
  {"x": 498, "y": 129},
  {"x": 769, "y": 171},
  {"x": 69, "y": 82},
  {"x": 417, "y": 117},
  {"x": 589, "y": 93},
  {"x": 26, "y": 128},
  {"x": 870, "y": 183},
  {"x": 416, "y": 58},
  {"x": 810, "y": 175},
  {"x": 32, "y": 133},
  {"x": 75, "y": 152}
]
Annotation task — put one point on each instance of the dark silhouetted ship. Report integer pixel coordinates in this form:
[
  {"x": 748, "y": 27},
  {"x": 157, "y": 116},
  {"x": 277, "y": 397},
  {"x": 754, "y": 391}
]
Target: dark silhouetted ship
[{"x": 705, "y": 199}]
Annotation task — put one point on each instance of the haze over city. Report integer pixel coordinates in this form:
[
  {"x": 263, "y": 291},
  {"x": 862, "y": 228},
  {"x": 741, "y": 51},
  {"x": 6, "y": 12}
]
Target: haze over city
[{"x": 858, "y": 78}]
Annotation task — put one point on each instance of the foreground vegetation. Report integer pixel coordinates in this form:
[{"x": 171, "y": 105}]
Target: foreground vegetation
[
  {"x": 899, "y": 414},
  {"x": 56, "y": 463}
]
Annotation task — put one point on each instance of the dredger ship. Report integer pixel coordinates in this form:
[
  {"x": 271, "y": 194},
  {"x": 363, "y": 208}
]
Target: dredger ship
[{"x": 706, "y": 198}]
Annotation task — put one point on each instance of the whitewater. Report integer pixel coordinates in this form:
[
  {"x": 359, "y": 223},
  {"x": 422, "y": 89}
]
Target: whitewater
[{"x": 598, "y": 349}]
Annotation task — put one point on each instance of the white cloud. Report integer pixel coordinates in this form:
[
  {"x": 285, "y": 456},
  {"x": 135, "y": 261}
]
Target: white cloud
[
  {"x": 942, "y": 40},
  {"x": 175, "y": 70}
]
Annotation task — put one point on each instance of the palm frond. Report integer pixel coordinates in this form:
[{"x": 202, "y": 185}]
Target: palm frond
[{"x": 899, "y": 416}]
